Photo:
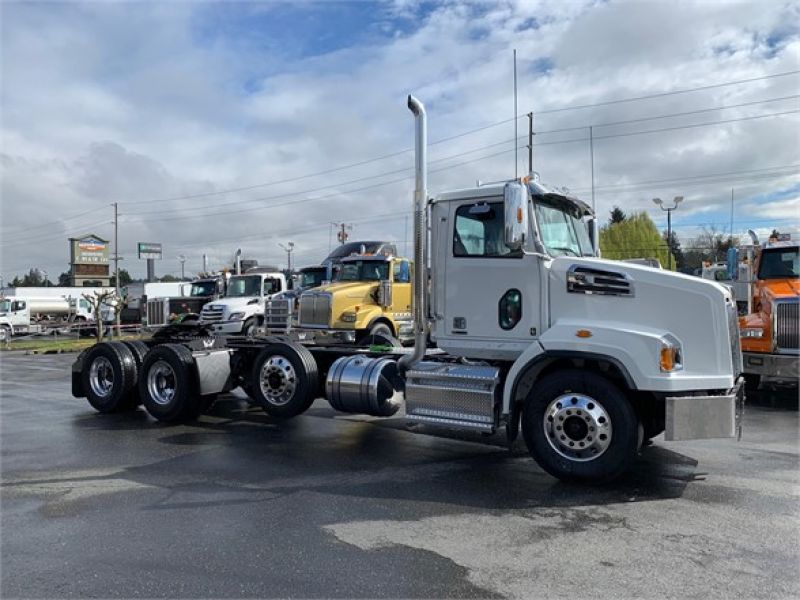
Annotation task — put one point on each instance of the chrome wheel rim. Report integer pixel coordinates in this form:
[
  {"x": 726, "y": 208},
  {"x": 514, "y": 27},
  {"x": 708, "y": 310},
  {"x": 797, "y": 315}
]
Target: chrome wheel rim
[
  {"x": 101, "y": 377},
  {"x": 161, "y": 383},
  {"x": 577, "y": 427},
  {"x": 278, "y": 380}
]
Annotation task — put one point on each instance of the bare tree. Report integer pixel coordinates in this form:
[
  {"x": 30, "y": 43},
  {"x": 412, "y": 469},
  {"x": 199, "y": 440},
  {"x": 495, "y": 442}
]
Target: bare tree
[{"x": 96, "y": 301}]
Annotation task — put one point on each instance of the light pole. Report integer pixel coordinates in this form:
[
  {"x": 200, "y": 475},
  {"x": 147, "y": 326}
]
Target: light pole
[
  {"x": 182, "y": 258},
  {"x": 677, "y": 200},
  {"x": 289, "y": 247}
]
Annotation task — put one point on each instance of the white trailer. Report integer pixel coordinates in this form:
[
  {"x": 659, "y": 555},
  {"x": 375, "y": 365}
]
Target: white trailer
[
  {"x": 586, "y": 357},
  {"x": 21, "y": 315}
]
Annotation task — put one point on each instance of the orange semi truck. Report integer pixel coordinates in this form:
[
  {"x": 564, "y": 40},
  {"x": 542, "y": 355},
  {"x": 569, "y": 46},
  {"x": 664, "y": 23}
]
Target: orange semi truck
[{"x": 771, "y": 331}]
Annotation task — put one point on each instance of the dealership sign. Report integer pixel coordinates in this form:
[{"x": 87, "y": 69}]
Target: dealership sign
[
  {"x": 89, "y": 250},
  {"x": 149, "y": 250}
]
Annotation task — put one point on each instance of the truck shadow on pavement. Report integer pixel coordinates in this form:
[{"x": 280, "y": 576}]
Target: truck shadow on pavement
[{"x": 239, "y": 449}]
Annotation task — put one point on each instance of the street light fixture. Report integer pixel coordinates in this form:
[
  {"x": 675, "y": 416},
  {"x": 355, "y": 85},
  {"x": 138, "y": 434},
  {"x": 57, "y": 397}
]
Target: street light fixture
[
  {"x": 289, "y": 248},
  {"x": 677, "y": 200}
]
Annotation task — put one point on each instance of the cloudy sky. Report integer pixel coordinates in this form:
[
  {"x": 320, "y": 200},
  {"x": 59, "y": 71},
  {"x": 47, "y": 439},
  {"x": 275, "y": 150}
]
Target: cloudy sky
[{"x": 218, "y": 126}]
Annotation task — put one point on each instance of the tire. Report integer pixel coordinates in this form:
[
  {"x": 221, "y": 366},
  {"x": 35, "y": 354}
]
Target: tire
[
  {"x": 168, "y": 384},
  {"x": 249, "y": 327},
  {"x": 284, "y": 380},
  {"x": 379, "y": 334},
  {"x": 580, "y": 408},
  {"x": 139, "y": 350},
  {"x": 109, "y": 377},
  {"x": 5, "y": 333}
]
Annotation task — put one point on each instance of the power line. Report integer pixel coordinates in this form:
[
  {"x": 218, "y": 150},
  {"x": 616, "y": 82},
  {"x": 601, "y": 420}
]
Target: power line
[
  {"x": 456, "y": 136},
  {"x": 663, "y": 94}
]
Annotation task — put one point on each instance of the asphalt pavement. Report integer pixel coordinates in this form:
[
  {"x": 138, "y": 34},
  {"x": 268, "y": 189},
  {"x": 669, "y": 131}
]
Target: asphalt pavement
[{"x": 337, "y": 506}]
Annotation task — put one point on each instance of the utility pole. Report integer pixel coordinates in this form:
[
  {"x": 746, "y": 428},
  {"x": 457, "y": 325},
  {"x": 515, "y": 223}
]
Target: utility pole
[
  {"x": 731, "y": 214},
  {"x": 516, "y": 138},
  {"x": 289, "y": 247},
  {"x": 591, "y": 159},
  {"x": 117, "y": 310},
  {"x": 530, "y": 143},
  {"x": 669, "y": 209}
]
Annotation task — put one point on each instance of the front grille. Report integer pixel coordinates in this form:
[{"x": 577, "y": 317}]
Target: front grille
[
  {"x": 787, "y": 326},
  {"x": 210, "y": 315},
  {"x": 157, "y": 311},
  {"x": 588, "y": 280},
  {"x": 315, "y": 309},
  {"x": 735, "y": 341},
  {"x": 277, "y": 314}
]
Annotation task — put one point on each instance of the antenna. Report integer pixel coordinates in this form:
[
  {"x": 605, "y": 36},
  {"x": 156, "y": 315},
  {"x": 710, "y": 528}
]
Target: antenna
[{"x": 516, "y": 149}]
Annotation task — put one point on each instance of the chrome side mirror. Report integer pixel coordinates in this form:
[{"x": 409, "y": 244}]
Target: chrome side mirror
[{"x": 515, "y": 208}]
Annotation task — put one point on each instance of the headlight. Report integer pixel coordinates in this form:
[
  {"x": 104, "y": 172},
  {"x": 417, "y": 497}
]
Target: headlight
[
  {"x": 752, "y": 332},
  {"x": 237, "y": 316},
  {"x": 670, "y": 358},
  {"x": 349, "y": 317}
]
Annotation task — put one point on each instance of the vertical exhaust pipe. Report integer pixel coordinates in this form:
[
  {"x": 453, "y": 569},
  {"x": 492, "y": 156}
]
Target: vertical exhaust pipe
[
  {"x": 420, "y": 236},
  {"x": 239, "y": 261}
]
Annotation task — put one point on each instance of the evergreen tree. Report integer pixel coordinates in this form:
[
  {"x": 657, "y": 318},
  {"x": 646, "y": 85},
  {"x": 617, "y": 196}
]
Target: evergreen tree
[
  {"x": 674, "y": 245},
  {"x": 617, "y": 216}
]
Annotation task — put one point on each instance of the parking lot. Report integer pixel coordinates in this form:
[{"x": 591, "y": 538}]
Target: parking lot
[{"x": 331, "y": 505}]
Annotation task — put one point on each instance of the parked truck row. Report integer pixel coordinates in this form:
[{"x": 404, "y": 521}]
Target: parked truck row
[{"x": 515, "y": 326}]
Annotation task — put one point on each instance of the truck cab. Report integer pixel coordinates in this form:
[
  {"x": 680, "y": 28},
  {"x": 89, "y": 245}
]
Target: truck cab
[
  {"x": 280, "y": 313},
  {"x": 241, "y": 311},
  {"x": 371, "y": 295},
  {"x": 771, "y": 332}
]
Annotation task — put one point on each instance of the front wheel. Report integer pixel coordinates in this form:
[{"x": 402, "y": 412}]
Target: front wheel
[
  {"x": 580, "y": 427},
  {"x": 5, "y": 333}
]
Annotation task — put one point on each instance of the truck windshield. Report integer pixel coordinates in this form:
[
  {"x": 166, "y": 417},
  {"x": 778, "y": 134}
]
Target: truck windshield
[
  {"x": 312, "y": 279},
  {"x": 563, "y": 231},
  {"x": 244, "y": 285},
  {"x": 364, "y": 270},
  {"x": 5, "y": 306},
  {"x": 203, "y": 288},
  {"x": 779, "y": 263}
]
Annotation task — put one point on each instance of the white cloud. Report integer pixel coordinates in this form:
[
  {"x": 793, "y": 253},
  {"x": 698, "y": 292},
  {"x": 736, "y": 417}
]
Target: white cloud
[{"x": 132, "y": 103}]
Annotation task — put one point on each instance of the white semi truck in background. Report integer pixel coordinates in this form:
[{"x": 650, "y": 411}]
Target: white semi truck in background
[
  {"x": 586, "y": 357},
  {"x": 242, "y": 308}
]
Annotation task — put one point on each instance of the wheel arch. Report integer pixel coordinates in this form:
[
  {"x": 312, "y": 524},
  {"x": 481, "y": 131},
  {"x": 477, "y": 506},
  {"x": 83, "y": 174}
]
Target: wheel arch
[
  {"x": 382, "y": 319},
  {"x": 549, "y": 361}
]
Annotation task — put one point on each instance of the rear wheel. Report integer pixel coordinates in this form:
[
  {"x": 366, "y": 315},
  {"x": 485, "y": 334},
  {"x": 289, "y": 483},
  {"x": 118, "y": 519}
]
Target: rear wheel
[
  {"x": 168, "y": 385},
  {"x": 139, "y": 350},
  {"x": 109, "y": 377},
  {"x": 579, "y": 426},
  {"x": 284, "y": 380}
]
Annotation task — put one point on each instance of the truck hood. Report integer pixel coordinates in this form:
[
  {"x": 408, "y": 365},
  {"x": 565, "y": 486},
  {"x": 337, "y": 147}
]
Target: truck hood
[
  {"x": 781, "y": 288},
  {"x": 233, "y": 303},
  {"x": 354, "y": 290},
  {"x": 624, "y": 296}
]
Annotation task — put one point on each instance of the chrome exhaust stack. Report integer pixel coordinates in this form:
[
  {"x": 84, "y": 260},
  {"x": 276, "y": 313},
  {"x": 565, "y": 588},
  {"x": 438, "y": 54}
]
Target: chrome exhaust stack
[{"x": 420, "y": 309}]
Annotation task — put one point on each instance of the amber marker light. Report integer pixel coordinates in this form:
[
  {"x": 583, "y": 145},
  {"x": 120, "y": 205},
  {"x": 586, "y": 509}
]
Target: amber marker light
[{"x": 583, "y": 333}]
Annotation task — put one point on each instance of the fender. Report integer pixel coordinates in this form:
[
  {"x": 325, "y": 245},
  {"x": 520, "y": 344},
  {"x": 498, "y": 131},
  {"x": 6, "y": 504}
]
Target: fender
[{"x": 519, "y": 370}]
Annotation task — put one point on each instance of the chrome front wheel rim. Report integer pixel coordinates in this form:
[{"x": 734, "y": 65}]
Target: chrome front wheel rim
[
  {"x": 101, "y": 377},
  {"x": 161, "y": 383},
  {"x": 577, "y": 427},
  {"x": 278, "y": 380}
]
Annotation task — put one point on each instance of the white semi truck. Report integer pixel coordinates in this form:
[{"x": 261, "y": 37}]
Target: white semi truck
[
  {"x": 587, "y": 357},
  {"x": 242, "y": 308}
]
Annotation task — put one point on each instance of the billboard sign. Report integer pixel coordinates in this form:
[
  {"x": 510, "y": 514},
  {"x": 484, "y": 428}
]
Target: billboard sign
[
  {"x": 89, "y": 250},
  {"x": 149, "y": 250}
]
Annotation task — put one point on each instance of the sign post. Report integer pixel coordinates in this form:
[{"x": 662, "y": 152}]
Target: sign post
[{"x": 150, "y": 251}]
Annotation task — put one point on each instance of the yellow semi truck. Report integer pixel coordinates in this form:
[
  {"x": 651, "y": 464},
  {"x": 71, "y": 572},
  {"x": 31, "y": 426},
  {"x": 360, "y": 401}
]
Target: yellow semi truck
[{"x": 370, "y": 297}]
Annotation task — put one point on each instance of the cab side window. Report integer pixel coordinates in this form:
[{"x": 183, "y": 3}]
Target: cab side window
[
  {"x": 479, "y": 231},
  {"x": 272, "y": 286},
  {"x": 18, "y": 305},
  {"x": 402, "y": 273}
]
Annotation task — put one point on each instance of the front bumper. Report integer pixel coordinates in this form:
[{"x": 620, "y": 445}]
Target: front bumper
[
  {"x": 225, "y": 326},
  {"x": 704, "y": 417},
  {"x": 323, "y": 337},
  {"x": 779, "y": 366}
]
